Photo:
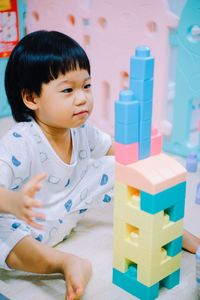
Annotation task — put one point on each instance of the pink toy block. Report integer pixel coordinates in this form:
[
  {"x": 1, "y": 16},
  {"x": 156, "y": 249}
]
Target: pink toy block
[
  {"x": 126, "y": 154},
  {"x": 156, "y": 142},
  {"x": 163, "y": 172}
]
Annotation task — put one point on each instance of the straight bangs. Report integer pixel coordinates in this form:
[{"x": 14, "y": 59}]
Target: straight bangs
[
  {"x": 69, "y": 60},
  {"x": 42, "y": 62}
]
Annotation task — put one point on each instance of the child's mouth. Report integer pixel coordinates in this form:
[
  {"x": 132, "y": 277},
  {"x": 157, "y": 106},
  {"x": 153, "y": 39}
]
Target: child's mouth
[{"x": 81, "y": 113}]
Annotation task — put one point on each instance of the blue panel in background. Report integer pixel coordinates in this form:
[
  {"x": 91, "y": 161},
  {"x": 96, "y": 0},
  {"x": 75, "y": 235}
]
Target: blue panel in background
[
  {"x": 4, "y": 106},
  {"x": 2, "y": 297}
]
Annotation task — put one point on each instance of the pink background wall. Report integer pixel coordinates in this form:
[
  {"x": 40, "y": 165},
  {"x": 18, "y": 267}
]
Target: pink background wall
[{"x": 109, "y": 31}]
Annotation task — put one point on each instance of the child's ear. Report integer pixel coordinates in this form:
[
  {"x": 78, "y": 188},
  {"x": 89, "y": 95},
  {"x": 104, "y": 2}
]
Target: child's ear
[{"x": 30, "y": 99}]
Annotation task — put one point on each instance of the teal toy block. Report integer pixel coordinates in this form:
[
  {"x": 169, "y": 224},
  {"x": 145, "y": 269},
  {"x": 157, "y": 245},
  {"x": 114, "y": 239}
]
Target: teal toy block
[
  {"x": 141, "y": 64},
  {"x": 145, "y": 111},
  {"x": 4, "y": 106},
  {"x": 145, "y": 130},
  {"x": 171, "y": 200},
  {"x": 174, "y": 247},
  {"x": 143, "y": 89},
  {"x": 126, "y": 108},
  {"x": 144, "y": 149},
  {"x": 176, "y": 212},
  {"x": 171, "y": 280},
  {"x": 126, "y": 133},
  {"x": 128, "y": 282}
]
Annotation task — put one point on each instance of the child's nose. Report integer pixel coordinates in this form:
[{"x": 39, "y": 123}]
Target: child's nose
[{"x": 80, "y": 98}]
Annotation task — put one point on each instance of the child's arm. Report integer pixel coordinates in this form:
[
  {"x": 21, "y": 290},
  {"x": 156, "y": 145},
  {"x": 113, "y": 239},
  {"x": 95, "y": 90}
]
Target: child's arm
[
  {"x": 111, "y": 150},
  {"x": 21, "y": 203}
]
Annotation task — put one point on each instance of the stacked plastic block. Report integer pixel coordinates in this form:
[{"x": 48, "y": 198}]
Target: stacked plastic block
[{"x": 149, "y": 192}]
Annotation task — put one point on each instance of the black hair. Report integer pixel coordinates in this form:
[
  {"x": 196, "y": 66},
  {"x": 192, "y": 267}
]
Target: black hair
[{"x": 38, "y": 58}]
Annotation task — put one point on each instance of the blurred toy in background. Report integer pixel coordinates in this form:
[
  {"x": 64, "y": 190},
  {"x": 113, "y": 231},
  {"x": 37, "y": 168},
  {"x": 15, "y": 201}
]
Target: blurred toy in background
[{"x": 184, "y": 137}]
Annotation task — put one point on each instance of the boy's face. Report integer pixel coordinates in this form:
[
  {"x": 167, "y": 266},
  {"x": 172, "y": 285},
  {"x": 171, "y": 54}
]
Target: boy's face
[{"x": 65, "y": 102}]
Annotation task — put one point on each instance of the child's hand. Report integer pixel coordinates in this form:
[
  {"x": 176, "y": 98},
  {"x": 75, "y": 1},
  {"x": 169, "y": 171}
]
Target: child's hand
[{"x": 22, "y": 205}]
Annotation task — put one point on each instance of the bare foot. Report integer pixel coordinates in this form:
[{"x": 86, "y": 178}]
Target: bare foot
[
  {"x": 77, "y": 272},
  {"x": 190, "y": 242}
]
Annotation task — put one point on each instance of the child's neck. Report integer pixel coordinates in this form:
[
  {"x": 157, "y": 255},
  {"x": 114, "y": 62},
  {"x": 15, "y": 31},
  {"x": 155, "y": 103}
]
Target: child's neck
[
  {"x": 60, "y": 140},
  {"x": 62, "y": 146}
]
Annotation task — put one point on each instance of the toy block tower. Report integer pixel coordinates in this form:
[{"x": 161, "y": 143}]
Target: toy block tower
[{"x": 149, "y": 192}]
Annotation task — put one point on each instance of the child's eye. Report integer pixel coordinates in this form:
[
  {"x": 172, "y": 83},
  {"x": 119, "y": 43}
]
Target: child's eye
[
  {"x": 87, "y": 86},
  {"x": 69, "y": 90}
]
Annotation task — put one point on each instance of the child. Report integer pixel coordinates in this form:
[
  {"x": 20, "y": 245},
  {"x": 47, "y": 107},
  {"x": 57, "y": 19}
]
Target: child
[{"x": 51, "y": 154}]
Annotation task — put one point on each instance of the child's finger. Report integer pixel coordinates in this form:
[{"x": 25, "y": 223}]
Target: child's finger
[
  {"x": 31, "y": 202},
  {"x": 36, "y": 215},
  {"x": 34, "y": 224},
  {"x": 34, "y": 185}
]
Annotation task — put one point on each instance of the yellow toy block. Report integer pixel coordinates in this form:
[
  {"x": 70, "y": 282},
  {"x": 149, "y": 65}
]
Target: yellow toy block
[
  {"x": 163, "y": 172},
  {"x": 155, "y": 274},
  {"x": 151, "y": 266},
  {"x": 128, "y": 213},
  {"x": 141, "y": 238}
]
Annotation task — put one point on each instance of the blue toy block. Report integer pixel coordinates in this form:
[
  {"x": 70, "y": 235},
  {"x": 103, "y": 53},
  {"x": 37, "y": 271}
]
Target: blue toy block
[
  {"x": 171, "y": 280},
  {"x": 143, "y": 89},
  {"x": 145, "y": 130},
  {"x": 144, "y": 149},
  {"x": 172, "y": 200},
  {"x": 141, "y": 64},
  {"x": 126, "y": 108},
  {"x": 128, "y": 282},
  {"x": 4, "y": 106},
  {"x": 2, "y": 297},
  {"x": 145, "y": 111},
  {"x": 126, "y": 133},
  {"x": 174, "y": 247},
  {"x": 192, "y": 162}
]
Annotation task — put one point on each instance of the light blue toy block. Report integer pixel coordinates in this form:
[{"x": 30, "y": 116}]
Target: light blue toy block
[
  {"x": 141, "y": 64},
  {"x": 171, "y": 280},
  {"x": 145, "y": 130},
  {"x": 145, "y": 111},
  {"x": 174, "y": 247},
  {"x": 143, "y": 89},
  {"x": 4, "y": 106},
  {"x": 171, "y": 200},
  {"x": 144, "y": 149},
  {"x": 126, "y": 133},
  {"x": 128, "y": 282},
  {"x": 126, "y": 108}
]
